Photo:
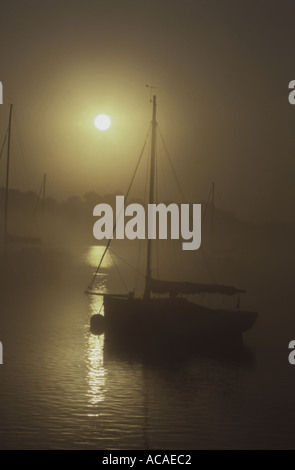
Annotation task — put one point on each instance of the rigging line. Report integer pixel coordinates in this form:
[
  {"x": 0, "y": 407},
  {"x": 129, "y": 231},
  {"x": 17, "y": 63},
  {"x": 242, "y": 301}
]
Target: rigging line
[
  {"x": 92, "y": 303},
  {"x": 206, "y": 260},
  {"x": 126, "y": 197},
  {"x": 29, "y": 181},
  {"x": 100, "y": 309},
  {"x": 118, "y": 271},
  {"x": 177, "y": 264},
  {"x": 101, "y": 306},
  {"x": 172, "y": 168},
  {"x": 38, "y": 200},
  {"x": 202, "y": 250},
  {"x": 137, "y": 271},
  {"x": 139, "y": 254},
  {"x": 183, "y": 197},
  {"x": 3, "y": 144},
  {"x": 139, "y": 160},
  {"x": 164, "y": 181},
  {"x": 157, "y": 171},
  {"x": 207, "y": 203},
  {"x": 157, "y": 199},
  {"x": 126, "y": 262}
]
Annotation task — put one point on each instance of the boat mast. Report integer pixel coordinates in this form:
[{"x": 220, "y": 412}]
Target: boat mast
[
  {"x": 7, "y": 175},
  {"x": 212, "y": 218},
  {"x": 147, "y": 292},
  {"x": 43, "y": 196}
]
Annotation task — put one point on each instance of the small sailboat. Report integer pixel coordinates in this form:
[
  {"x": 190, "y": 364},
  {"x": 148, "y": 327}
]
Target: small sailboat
[
  {"x": 163, "y": 315},
  {"x": 8, "y": 237}
]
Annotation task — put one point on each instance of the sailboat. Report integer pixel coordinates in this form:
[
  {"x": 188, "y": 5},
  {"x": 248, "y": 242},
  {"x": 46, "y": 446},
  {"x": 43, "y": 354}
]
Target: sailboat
[
  {"x": 8, "y": 237},
  {"x": 163, "y": 315}
]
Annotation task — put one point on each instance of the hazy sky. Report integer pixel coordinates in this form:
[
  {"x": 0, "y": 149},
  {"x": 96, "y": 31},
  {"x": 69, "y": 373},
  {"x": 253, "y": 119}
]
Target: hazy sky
[{"x": 222, "y": 70}]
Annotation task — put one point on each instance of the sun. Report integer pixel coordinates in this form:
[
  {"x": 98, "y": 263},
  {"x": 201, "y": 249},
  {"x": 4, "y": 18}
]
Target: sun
[{"x": 102, "y": 122}]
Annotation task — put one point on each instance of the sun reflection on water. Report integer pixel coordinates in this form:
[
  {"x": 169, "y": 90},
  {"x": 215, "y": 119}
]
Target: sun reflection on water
[
  {"x": 94, "y": 254},
  {"x": 96, "y": 372},
  {"x": 92, "y": 257}
]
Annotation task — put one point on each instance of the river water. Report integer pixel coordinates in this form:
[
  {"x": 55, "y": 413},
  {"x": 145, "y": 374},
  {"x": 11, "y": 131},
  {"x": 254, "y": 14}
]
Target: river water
[{"x": 61, "y": 389}]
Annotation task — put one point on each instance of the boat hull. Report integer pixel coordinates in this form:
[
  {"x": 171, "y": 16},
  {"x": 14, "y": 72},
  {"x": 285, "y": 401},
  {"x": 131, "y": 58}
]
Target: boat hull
[{"x": 158, "y": 322}]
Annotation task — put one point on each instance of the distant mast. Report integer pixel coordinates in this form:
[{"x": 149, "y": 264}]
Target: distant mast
[
  {"x": 7, "y": 176},
  {"x": 147, "y": 292}
]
